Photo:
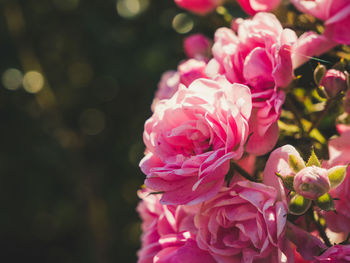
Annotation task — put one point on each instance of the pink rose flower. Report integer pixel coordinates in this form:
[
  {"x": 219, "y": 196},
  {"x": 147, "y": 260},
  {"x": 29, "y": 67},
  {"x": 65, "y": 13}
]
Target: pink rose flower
[
  {"x": 335, "y": 13},
  {"x": 334, "y": 81},
  {"x": 167, "y": 86},
  {"x": 307, "y": 244},
  {"x": 339, "y": 154},
  {"x": 191, "y": 138},
  {"x": 168, "y": 233},
  {"x": 347, "y": 102},
  {"x": 244, "y": 223},
  {"x": 201, "y": 7},
  {"x": 335, "y": 254},
  {"x": 312, "y": 182},
  {"x": 254, "y": 6},
  {"x": 197, "y": 46},
  {"x": 181, "y": 248},
  {"x": 191, "y": 70},
  {"x": 308, "y": 45},
  {"x": 341, "y": 128},
  {"x": 299, "y": 259},
  {"x": 259, "y": 56}
]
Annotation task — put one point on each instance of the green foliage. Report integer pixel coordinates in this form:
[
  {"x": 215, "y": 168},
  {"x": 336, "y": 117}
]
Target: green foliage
[
  {"x": 336, "y": 175},
  {"x": 325, "y": 202},
  {"x": 313, "y": 160},
  {"x": 298, "y": 205}
]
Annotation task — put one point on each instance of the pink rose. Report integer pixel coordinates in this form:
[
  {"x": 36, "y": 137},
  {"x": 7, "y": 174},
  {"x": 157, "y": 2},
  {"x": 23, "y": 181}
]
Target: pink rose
[
  {"x": 339, "y": 154},
  {"x": 347, "y": 102},
  {"x": 335, "y": 13},
  {"x": 191, "y": 70},
  {"x": 244, "y": 223},
  {"x": 259, "y": 56},
  {"x": 201, "y": 7},
  {"x": 307, "y": 244},
  {"x": 168, "y": 233},
  {"x": 299, "y": 259},
  {"x": 181, "y": 248},
  {"x": 341, "y": 128},
  {"x": 254, "y": 6},
  {"x": 167, "y": 86},
  {"x": 191, "y": 138},
  {"x": 308, "y": 45},
  {"x": 197, "y": 46},
  {"x": 335, "y": 254}
]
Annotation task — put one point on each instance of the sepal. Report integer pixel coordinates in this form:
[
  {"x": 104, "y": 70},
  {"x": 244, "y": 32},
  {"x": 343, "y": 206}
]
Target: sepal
[
  {"x": 336, "y": 175},
  {"x": 295, "y": 163},
  {"x": 298, "y": 205},
  {"x": 325, "y": 202}
]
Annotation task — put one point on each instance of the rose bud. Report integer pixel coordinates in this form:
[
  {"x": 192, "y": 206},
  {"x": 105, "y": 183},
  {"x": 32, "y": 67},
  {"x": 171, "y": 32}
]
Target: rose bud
[
  {"x": 201, "y": 7},
  {"x": 334, "y": 81},
  {"x": 312, "y": 182},
  {"x": 197, "y": 46}
]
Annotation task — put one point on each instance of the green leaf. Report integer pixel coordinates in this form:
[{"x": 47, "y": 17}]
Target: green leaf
[
  {"x": 298, "y": 205},
  {"x": 313, "y": 160},
  {"x": 336, "y": 175},
  {"x": 325, "y": 202},
  {"x": 296, "y": 163}
]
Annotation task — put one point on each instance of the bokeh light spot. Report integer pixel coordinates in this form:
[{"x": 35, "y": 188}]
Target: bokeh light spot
[
  {"x": 131, "y": 8},
  {"x": 92, "y": 121},
  {"x": 33, "y": 81},
  {"x": 12, "y": 79},
  {"x": 182, "y": 23}
]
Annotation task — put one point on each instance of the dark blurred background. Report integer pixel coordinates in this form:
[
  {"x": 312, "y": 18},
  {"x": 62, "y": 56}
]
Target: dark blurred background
[
  {"x": 77, "y": 78},
  {"x": 77, "y": 81}
]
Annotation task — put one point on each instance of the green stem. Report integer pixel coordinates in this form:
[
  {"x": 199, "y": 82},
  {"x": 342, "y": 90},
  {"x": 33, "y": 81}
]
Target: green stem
[
  {"x": 294, "y": 110},
  {"x": 319, "y": 227},
  {"x": 321, "y": 115},
  {"x": 243, "y": 172}
]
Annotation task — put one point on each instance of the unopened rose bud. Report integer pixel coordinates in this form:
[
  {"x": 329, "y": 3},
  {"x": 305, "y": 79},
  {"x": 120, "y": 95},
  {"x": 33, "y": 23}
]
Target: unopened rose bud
[
  {"x": 312, "y": 182},
  {"x": 197, "y": 46},
  {"x": 334, "y": 81},
  {"x": 199, "y": 7}
]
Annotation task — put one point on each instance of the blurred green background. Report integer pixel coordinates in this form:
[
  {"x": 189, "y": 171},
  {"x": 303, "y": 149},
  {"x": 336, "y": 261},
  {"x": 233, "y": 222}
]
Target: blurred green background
[{"x": 77, "y": 82}]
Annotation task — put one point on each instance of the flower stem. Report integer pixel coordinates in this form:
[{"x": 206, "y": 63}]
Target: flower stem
[
  {"x": 319, "y": 227},
  {"x": 242, "y": 172},
  {"x": 294, "y": 110},
  {"x": 320, "y": 117}
]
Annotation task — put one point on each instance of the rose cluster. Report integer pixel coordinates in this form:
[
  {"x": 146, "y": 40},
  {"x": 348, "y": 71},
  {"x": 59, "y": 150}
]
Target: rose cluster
[{"x": 212, "y": 192}]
